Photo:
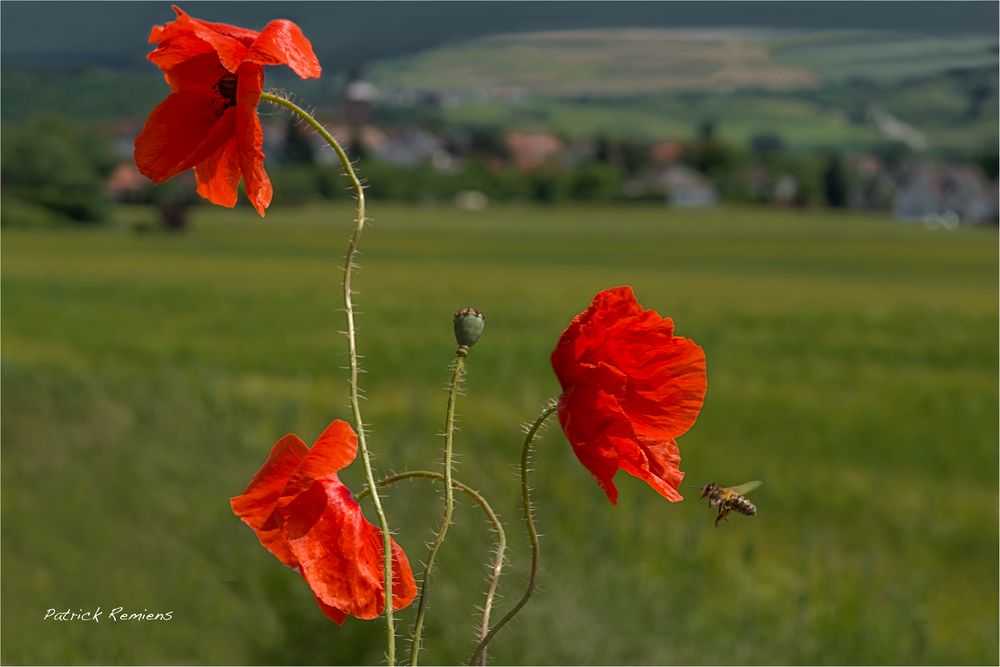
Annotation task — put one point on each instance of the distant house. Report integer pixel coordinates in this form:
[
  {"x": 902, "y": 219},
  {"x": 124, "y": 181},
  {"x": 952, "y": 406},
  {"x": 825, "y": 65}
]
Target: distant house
[
  {"x": 370, "y": 137},
  {"x": 687, "y": 188},
  {"x": 530, "y": 150},
  {"x": 666, "y": 152},
  {"x": 681, "y": 186},
  {"x": 962, "y": 192},
  {"x": 413, "y": 146},
  {"x": 761, "y": 184},
  {"x": 786, "y": 190},
  {"x": 126, "y": 184},
  {"x": 358, "y": 99},
  {"x": 870, "y": 185}
]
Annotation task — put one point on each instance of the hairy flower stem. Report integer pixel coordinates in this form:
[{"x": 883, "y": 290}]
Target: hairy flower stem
[
  {"x": 479, "y": 655},
  {"x": 449, "y": 505},
  {"x": 491, "y": 516},
  {"x": 352, "y": 349}
]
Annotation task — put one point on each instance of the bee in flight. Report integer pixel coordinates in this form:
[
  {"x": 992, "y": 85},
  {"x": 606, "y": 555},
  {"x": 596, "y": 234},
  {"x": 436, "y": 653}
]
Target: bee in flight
[{"x": 730, "y": 499}]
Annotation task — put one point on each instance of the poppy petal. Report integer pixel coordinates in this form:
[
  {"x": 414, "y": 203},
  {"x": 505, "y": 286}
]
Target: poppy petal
[
  {"x": 281, "y": 42},
  {"x": 179, "y": 49},
  {"x": 664, "y": 400},
  {"x": 658, "y": 465},
  {"x": 200, "y": 73},
  {"x": 242, "y": 35},
  {"x": 591, "y": 331},
  {"x": 596, "y": 425},
  {"x": 404, "y": 586},
  {"x": 334, "y": 450},
  {"x": 258, "y": 504},
  {"x": 221, "y": 133},
  {"x": 340, "y": 552},
  {"x": 250, "y": 137},
  {"x": 159, "y": 33},
  {"x": 219, "y": 175},
  {"x": 332, "y": 613},
  {"x": 179, "y": 129},
  {"x": 231, "y": 51}
]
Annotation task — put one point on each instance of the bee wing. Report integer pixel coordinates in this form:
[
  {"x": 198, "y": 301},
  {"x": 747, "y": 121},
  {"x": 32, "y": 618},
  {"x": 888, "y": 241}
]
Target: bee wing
[{"x": 744, "y": 489}]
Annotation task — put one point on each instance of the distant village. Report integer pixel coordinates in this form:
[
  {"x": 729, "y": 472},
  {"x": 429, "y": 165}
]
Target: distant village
[{"x": 542, "y": 165}]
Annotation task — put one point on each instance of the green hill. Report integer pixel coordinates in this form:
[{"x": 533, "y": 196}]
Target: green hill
[
  {"x": 815, "y": 89},
  {"x": 652, "y": 61}
]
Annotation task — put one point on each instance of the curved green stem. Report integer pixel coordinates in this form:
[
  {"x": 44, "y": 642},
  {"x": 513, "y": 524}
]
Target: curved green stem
[
  {"x": 352, "y": 349},
  {"x": 490, "y": 515},
  {"x": 479, "y": 655},
  {"x": 449, "y": 506}
]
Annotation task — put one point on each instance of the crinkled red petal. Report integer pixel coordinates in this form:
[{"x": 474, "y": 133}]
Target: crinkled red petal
[
  {"x": 666, "y": 388},
  {"x": 221, "y": 133},
  {"x": 200, "y": 73},
  {"x": 180, "y": 132},
  {"x": 340, "y": 552},
  {"x": 250, "y": 137},
  {"x": 666, "y": 373},
  {"x": 244, "y": 36},
  {"x": 596, "y": 426},
  {"x": 657, "y": 463},
  {"x": 282, "y": 42},
  {"x": 596, "y": 334},
  {"x": 219, "y": 175},
  {"x": 179, "y": 49},
  {"x": 404, "y": 587},
  {"x": 231, "y": 51},
  {"x": 332, "y": 613},
  {"x": 334, "y": 449},
  {"x": 258, "y": 504}
]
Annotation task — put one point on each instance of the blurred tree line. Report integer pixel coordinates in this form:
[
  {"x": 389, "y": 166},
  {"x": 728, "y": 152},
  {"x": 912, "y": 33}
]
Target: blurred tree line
[
  {"x": 602, "y": 171},
  {"x": 54, "y": 170}
]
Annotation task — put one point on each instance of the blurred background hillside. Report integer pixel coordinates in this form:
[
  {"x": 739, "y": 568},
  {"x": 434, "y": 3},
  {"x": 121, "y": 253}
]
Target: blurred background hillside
[{"x": 808, "y": 189}]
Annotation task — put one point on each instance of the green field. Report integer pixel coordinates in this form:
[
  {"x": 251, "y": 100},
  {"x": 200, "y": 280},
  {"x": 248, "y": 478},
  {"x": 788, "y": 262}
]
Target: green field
[{"x": 852, "y": 366}]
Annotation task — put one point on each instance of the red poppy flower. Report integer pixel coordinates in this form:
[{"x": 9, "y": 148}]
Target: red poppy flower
[
  {"x": 630, "y": 386},
  {"x": 306, "y": 517},
  {"x": 209, "y": 121}
]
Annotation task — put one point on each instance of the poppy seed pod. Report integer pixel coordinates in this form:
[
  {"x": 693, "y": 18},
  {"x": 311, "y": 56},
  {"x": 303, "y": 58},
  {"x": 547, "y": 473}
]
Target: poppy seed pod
[{"x": 469, "y": 324}]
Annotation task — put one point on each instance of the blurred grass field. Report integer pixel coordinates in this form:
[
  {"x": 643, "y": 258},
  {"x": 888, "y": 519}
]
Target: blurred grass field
[{"x": 852, "y": 367}]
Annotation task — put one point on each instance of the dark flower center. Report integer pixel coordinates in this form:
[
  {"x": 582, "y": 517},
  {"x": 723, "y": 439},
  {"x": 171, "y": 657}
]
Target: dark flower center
[{"x": 226, "y": 87}]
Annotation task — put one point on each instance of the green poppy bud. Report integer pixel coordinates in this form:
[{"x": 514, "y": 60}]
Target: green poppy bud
[{"x": 469, "y": 324}]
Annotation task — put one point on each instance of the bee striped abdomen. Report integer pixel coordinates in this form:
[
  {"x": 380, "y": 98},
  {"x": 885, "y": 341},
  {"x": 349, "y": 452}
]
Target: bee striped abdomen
[{"x": 744, "y": 506}]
